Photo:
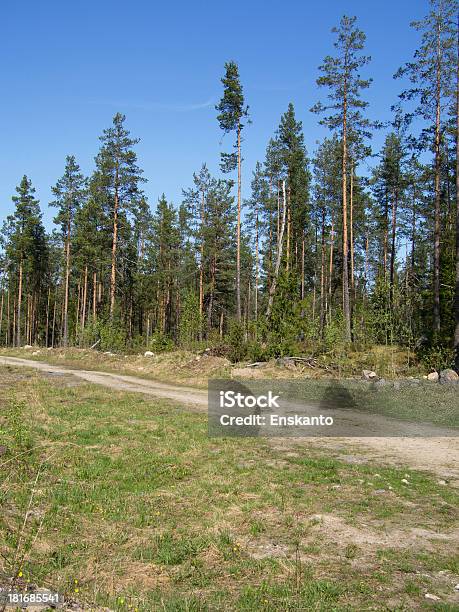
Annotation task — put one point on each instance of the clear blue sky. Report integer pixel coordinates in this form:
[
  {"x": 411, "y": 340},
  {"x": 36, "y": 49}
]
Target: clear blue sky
[{"x": 69, "y": 66}]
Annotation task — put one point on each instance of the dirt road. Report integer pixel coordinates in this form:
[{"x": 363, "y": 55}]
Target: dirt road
[{"x": 438, "y": 454}]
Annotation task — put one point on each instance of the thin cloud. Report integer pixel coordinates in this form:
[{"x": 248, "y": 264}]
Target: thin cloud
[{"x": 155, "y": 106}]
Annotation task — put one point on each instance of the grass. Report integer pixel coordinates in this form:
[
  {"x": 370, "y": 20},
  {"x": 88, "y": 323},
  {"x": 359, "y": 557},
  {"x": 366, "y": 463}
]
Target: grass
[
  {"x": 185, "y": 367},
  {"x": 420, "y": 402},
  {"x": 134, "y": 507}
]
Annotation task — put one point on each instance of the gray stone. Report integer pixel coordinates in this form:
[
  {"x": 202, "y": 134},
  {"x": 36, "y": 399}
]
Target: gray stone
[
  {"x": 448, "y": 376},
  {"x": 148, "y": 354},
  {"x": 286, "y": 362},
  {"x": 433, "y": 376},
  {"x": 369, "y": 375},
  {"x": 431, "y": 597}
]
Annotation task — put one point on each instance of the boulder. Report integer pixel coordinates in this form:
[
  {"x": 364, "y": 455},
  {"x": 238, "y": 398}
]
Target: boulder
[
  {"x": 27, "y": 346},
  {"x": 369, "y": 375},
  {"x": 448, "y": 376},
  {"x": 148, "y": 354},
  {"x": 286, "y": 362},
  {"x": 433, "y": 376}
]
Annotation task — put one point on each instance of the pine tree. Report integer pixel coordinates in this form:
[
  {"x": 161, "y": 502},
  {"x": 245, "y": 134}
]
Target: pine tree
[
  {"x": 232, "y": 112},
  {"x": 118, "y": 179},
  {"x": 431, "y": 73},
  {"x": 341, "y": 75},
  {"x": 327, "y": 202},
  {"x": 257, "y": 204},
  {"x": 456, "y": 293},
  {"x": 194, "y": 199},
  {"x": 70, "y": 193},
  {"x": 26, "y": 252},
  {"x": 165, "y": 245},
  {"x": 294, "y": 166}
]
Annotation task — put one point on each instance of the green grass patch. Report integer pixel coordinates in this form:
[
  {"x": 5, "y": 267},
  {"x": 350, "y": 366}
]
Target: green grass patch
[{"x": 130, "y": 505}]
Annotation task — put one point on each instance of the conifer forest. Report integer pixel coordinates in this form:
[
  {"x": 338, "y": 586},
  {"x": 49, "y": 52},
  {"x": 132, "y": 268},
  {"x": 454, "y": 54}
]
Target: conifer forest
[{"x": 335, "y": 243}]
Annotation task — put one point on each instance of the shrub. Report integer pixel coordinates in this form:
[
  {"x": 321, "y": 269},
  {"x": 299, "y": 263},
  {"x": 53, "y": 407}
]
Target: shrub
[
  {"x": 437, "y": 357},
  {"x": 236, "y": 342},
  {"x": 190, "y": 321},
  {"x": 112, "y": 336},
  {"x": 161, "y": 343}
]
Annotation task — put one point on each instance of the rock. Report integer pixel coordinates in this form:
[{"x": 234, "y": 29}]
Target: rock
[
  {"x": 148, "y": 354},
  {"x": 456, "y": 588},
  {"x": 405, "y": 481},
  {"x": 381, "y": 382},
  {"x": 431, "y": 597},
  {"x": 286, "y": 362},
  {"x": 27, "y": 346},
  {"x": 35, "y": 353},
  {"x": 443, "y": 483},
  {"x": 433, "y": 376},
  {"x": 397, "y": 385},
  {"x": 448, "y": 376},
  {"x": 369, "y": 375}
]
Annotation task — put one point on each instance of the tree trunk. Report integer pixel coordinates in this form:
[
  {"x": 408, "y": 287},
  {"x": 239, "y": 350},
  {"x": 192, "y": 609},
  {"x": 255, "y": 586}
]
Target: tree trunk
[
  {"x": 289, "y": 223},
  {"x": 47, "y": 317},
  {"x": 351, "y": 228},
  {"x": 8, "y": 315},
  {"x": 66, "y": 286},
  {"x": 238, "y": 228},
  {"x": 322, "y": 275},
  {"x": 201, "y": 270},
  {"x": 367, "y": 246},
  {"x": 78, "y": 309},
  {"x": 85, "y": 295},
  {"x": 19, "y": 303},
  {"x": 280, "y": 241},
  {"x": 346, "y": 305},
  {"x": 211, "y": 293},
  {"x": 14, "y": 321},
  {"x": 257, "y": 263},
  {"x": 302, "y": 266},
  {"x": 436, "y": 305},
  {"x": 392, "y": 245},
  {"x": 114, "y": 247},
  {"x": 330, "y": 269},
  {"x": 94, "y": 297},
  {"x": 456, "y": 297},
  {"x": 386, "y": 235},
  {"x": 1, "y": 316},
  {"x": 54, "y": 319}
]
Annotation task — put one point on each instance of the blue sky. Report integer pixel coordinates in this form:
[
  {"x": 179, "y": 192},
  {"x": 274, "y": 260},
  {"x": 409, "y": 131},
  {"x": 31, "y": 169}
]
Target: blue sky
[{"x": 68, "y": 67}]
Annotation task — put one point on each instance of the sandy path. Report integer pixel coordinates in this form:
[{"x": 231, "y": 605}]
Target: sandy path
[{"x": 439, "y": 454}]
